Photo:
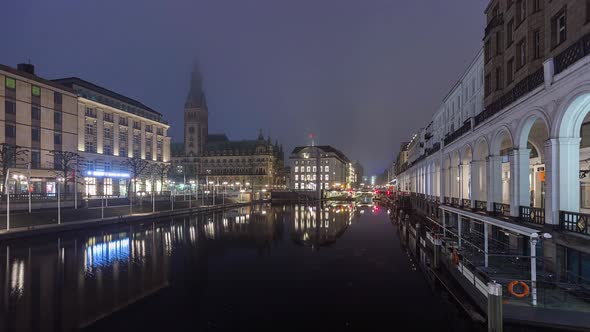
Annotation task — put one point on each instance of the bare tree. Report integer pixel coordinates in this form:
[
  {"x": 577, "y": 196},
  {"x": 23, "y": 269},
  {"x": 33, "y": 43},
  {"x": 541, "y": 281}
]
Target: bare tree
[
  {"x": 10, "y": 156},
  {"x": 161, "y": 171},
  {"x": 65, "y": 163},
  {"x": 136, "y": 167}
]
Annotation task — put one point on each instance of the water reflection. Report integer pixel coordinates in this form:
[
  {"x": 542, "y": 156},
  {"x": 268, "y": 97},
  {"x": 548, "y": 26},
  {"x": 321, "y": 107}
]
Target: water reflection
[
  {"x": 59, "y": 284},
  {"x": 318, "y": 226}
]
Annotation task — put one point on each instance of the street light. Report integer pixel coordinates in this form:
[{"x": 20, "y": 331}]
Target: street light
[{"x": 58, "y": 180}]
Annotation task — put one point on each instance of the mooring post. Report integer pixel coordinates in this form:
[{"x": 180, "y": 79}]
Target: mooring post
[{"x": 494, "y": 307}]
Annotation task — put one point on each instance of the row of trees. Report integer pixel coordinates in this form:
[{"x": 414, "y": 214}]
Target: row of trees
[{"x": 66, "y": 164}]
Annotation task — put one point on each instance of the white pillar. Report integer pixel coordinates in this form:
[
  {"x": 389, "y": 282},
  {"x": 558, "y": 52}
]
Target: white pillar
[
  {"x": 460, "y": 183},
  {"x": 519, "y": 180},
  {"x": 568, "y": 179},
  {"x": 494, "y": 182},
  {"x": 476, "y": 181}
]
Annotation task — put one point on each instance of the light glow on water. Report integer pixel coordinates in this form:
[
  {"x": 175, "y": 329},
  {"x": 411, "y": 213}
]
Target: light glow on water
[{"x": 105, "y": 253}]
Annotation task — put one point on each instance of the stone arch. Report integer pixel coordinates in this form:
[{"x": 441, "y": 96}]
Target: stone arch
[
  {"x": 481, "y": 150},
  {"x": 571, "y": 112},
  {"x": 523, "y": 130},
  {"x": 564, "y": 185},
  {"x": 502, "y": 137}
]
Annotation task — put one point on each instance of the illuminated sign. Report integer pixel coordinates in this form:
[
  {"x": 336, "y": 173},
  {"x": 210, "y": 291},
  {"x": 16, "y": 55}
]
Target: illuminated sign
[{"x": 108, "y": 174}]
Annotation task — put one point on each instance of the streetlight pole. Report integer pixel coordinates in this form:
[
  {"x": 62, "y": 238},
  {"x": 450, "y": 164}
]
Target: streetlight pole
[
  {"x": 29, "y": 183},
  {"x": 7, "y": 190},
  {"x": 153, "y": 196},
  {"x": 58, "y": 202}
]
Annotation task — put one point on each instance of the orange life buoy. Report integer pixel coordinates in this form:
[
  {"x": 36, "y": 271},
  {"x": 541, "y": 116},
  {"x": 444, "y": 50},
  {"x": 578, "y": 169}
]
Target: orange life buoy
[
  {"x": 455, "y": 257},
  {"x": 518, "y": 295}
]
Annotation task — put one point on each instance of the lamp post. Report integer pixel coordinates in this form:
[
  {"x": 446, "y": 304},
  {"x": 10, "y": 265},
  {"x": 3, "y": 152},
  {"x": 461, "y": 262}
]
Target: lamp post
[
  {"x": 7, "y": 190},
  {"x": 224, "y": 190},
  {"x": 57, "y": 181},
  {"x": 29, "y": 183},
  {"x": 190, "y": 200}
]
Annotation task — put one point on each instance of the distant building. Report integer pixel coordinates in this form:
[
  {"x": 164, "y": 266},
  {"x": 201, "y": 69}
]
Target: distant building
[
  {"x": 37, "y": 115},
  {"x": 49, "y": 118},
  {"x": 256, "y": 163},
  {"x": 214, "y": 158},
  {"x": 334, "y": 168}
]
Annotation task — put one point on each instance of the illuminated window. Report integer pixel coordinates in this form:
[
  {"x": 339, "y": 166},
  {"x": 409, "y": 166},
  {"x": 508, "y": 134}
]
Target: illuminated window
[
  {"x": 296, "y": 185},
  {"x": 10, "y": 83},
  {"x": 296, "y": 169},
  {"x": 35, "y": 90},
  {"x": 90, "y": 186},
  {"x": 296, "y": 177},
  {"x": 108, "y": 186},
  {"x": 327, "y": 168}
]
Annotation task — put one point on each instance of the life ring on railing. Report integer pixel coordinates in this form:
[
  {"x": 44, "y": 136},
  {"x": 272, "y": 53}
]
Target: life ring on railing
[
  {"x": 525, "y": 288},
  {"x": 455, "y": 257}
]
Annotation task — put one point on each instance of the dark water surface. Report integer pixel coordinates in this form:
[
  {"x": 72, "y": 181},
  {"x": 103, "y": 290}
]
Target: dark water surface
[{"x": 248, "y": 269}]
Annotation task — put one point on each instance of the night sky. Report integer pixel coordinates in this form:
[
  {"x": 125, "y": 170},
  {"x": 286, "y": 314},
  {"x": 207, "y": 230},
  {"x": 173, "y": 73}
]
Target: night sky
[{"x": 362, "y": 75}]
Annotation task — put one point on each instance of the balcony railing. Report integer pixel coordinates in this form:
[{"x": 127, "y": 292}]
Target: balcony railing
[
  {"x": 502, "y": 210},
  {"x": 494, "y": 22},
  {"x": 574, "y": 222},
  {"x": 532, "y": 214},
  {"x": 481, "y": 206},
  {"x": 572, "y": 54},
  {"x": 447, "y": 200},
  {"x": 465, "y": 128},
  {"x": 521, "y": 88},
  {"x": 466, "y": 203},
  {"x": 455, "y": 202}
]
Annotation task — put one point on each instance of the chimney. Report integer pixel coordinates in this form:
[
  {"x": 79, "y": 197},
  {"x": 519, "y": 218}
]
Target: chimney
[{"x": 26, "y": 67}]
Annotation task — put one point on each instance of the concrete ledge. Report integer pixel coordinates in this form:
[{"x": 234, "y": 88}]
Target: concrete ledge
[{"x": 23, "y": 232}]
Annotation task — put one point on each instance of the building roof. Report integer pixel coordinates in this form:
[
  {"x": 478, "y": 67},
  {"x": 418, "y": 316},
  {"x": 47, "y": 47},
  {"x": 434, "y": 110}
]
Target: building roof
[
  {"x": 71, "y": 81},
  {"x": 36, "y": 78},
  {"x": 243, "y": 145},
  {"x": 324, "y": 148},
  {"x": 213, "y": 138}
]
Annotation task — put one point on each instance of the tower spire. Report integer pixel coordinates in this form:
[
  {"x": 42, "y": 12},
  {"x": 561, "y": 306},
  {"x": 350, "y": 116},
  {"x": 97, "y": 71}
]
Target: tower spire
[{"x": 196, "y": 97}]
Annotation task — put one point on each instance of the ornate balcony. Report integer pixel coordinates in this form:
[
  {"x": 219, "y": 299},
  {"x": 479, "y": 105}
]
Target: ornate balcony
[
  {"x": 532, "y": 214},
  {"x": 574, "y": 222}
]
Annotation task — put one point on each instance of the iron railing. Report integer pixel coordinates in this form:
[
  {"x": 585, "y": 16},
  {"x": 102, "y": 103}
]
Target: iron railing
[
  {"x": 521, "y": 88},
  {"x": 465, "y": 128},
  {"x": 574, "y": 222},
  {"x": 481, "y": 206},
  {"x": 455, "y": 202},
  {"x": 572, "y": 54},
  {"x": 532, "y": 214},
  {"x": 502, "y": 210},
  {"x": 466, "y": 203}
]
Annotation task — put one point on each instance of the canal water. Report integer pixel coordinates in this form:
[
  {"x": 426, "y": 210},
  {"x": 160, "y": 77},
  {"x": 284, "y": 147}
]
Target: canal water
[{"x": 285, "y": 267}]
